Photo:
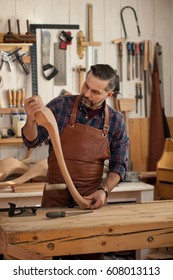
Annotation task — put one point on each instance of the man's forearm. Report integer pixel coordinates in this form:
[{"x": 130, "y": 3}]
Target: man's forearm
[
  {"x": 30, "y": 130},
  {"x": 110, "y": 181}
]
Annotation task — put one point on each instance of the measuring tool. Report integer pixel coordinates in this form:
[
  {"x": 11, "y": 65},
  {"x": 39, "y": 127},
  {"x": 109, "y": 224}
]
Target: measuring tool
[{"x": 33, "y": 51}]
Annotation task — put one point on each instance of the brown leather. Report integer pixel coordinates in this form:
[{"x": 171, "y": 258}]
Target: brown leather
[{"x": 85, "y": 148}]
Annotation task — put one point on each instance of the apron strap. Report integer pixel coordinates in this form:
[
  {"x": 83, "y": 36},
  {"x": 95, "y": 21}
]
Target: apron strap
[{"x": 74, "y": 112}]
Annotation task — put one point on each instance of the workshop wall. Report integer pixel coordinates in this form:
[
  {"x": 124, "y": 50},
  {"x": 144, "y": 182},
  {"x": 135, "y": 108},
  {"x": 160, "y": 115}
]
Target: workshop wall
[{"x": 155, "y": 22}]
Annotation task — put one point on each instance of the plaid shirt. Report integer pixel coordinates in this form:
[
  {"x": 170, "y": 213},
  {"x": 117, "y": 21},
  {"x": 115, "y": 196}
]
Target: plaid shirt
[{"x": 119, "y": 142}]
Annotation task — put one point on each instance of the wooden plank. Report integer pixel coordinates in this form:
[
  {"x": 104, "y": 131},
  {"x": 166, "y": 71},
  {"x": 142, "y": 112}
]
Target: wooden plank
[
  {"x": 139, "y": 135},
  {"x": 139, "y": 142},
  {"x": 110, "y": 228}
]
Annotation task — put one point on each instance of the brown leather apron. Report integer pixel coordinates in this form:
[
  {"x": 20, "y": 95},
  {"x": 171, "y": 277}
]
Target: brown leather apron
[{"x": 84, "y": 148}]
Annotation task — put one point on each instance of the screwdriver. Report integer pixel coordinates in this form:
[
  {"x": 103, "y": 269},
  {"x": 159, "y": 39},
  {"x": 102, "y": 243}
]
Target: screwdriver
[
  {"x": 141, "y": 50},
  {"x": 137, "y": 58},
  {"x": 62, "y": 214},
  {"x": 133, "y": 60},
  {"x": 128, "y": 61}
]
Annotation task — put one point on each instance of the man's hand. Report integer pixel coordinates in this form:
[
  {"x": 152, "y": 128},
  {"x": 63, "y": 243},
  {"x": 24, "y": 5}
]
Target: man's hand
[
  {"x": 33, "y": 105},
  {"x": 98, "y": 199}
]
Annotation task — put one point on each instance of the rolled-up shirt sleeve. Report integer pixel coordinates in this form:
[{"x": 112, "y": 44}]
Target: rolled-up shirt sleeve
[
  {"x": 119, "y": 147},
  {"x": 42, "y": 135}
]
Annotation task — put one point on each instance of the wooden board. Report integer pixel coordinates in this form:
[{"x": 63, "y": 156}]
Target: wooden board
[
  {"x": 139, "y": 141},
  {"x": 110, "y": 228}
]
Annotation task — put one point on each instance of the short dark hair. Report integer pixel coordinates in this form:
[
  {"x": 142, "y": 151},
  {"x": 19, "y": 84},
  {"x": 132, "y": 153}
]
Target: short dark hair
[{"x": 107, "y": 73}]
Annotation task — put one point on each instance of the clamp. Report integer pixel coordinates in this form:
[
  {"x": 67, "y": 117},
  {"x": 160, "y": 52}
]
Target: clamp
[{"x": 4, "y": 57}]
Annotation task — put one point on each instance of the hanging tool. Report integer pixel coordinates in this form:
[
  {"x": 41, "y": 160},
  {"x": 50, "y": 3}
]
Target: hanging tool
[
  {"x": 62, "y": 214},
  {"x": 145, "y": 76},
  {"x": 19, "y": 59},
  {"x": 140, "y": 96},
  {"x": 150, "y": 88},
  {"x": 141, "y": 50},
  {"x": 49, "y": 71},
  {"x": 133, "y": 59},
  {"x": 4, "y": 57},
  {"x": 82, "y": 74},
  {"x": 120, "y": 53},
  {"x": 14, "y": 99},
  {"x": 66, "y": 39},
  {"x": 158, "y": 53},
  {"x": 128, "y": 60},
  {"x": 137, "y": 96},
  {"x": 137, "y": 59},
  {"x": 122, "y": 20},
  {"x": 92, "y": 43}
]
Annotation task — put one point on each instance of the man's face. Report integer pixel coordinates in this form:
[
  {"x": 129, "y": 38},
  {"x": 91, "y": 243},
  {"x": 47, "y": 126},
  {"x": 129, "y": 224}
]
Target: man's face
[{"x": 93, "y": 91}]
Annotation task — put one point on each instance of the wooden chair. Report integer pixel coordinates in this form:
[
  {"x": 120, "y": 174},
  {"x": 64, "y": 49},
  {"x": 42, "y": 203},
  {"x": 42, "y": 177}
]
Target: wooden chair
[{"x": 164, "y": 174}]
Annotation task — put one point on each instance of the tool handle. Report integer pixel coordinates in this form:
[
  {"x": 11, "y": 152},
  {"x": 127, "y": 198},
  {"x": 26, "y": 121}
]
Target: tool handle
[
  {"x": 53, "y": 215},
  {"x": 14, "y": 98},
  {"x": 150, "y": 51},
  {"x": 9, "y": 96},
  {"x": 120, "y": 48},
  {"x": 136, "y": 48},
  {"x": 133, "y": 48},
  {"x": 145, "y": 55},
  {"x": 23, "y": 93},
  {"x": 19, "y": 94},
  {"x": 129, "y": 48},
  {"x": 141, "y": 48},
  {"x": 90, "y": 22}
]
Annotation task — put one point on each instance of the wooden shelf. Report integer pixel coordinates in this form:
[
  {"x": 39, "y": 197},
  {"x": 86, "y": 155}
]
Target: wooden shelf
[
  {"x": 11, "y": 141},
  {"x": 13, "y": 46},
  {"x": 11, "y": 110}
]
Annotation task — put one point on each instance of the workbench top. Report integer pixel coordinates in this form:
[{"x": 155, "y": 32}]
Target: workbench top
[{"x": 110, "y": 228}]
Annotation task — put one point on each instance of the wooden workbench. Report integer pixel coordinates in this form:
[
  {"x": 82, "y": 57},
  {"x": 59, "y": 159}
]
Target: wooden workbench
[{"x": 110, "y": 228}]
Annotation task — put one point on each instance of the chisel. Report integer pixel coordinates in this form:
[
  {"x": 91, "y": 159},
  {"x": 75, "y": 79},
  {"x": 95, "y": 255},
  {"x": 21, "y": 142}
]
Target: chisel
[
  {"x": 133, "y": 60},
  {"x": 128, "y": 60},
  {"x": 145, "y": 75},
  {"x": 141, "y": 50},
  {"x": 150, "y": 67},
  {"x": 137, "y": 59}
]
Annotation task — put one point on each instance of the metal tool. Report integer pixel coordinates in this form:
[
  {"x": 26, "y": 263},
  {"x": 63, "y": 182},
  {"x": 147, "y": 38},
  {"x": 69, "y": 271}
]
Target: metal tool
[
  {"x": 137, "y": 96},
  {"x": 33, "y": 49},
  {"x": 120, "y": 52},
  {"x": 21, "y": 211},
  {"x": 150, "y": 88},
  {"x": 141, "y": 51},
  {"x": 62, "y": 214},
  {"x": 66, "y": 39},
  {"x": 128, "y": 61},
  {"x": 49, "y": 70},
  {"x": 145, "y": 76},
  {"x": 133, "y": 59},
  {"x": 137, "y": 59},
  {"x": 4, "y": 57},
  {"x": 122, "y": 20},
  {"x": 18, "y": 57},
  {"x": 140, "y": 96}
]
